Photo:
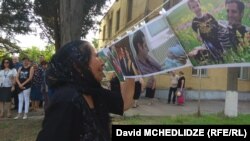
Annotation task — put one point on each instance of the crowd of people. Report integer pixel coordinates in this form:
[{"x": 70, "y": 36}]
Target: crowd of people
[{"x": 22, "y": 84}]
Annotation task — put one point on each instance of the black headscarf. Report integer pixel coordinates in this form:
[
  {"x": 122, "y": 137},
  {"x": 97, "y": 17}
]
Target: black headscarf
[{"x": 70, "y": 65}]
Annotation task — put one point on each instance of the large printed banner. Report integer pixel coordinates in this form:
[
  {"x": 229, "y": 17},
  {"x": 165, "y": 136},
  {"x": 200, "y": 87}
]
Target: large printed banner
[
  {"x": 214, "y": 33},
  {"x": 201, "y": 33},
  {"x": 151, "y": 49}
]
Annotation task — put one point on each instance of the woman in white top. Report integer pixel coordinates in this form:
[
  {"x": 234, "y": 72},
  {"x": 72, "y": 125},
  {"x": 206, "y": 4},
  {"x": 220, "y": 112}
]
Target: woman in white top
[
  {"x": 173, "y": 88},
  {"x": 7, "y": 81}
]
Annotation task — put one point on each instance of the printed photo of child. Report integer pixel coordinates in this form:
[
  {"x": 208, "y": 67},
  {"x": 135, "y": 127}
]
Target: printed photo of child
[{"x": 206, "y": 27}]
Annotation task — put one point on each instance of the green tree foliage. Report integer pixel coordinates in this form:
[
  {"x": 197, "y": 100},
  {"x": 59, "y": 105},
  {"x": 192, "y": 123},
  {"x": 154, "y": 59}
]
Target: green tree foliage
[
  {"x": 91, "y": 8},
  {"x": 48, "y": 52},
  {"x": 34, "y": 53},
  {"x": 15, "y": 18},
  {"x": 4, "y": 55},
  {"x": 49, "y": 21},
  {"x": 95, "y": 43},
  {"x": 49, "y": 11}
]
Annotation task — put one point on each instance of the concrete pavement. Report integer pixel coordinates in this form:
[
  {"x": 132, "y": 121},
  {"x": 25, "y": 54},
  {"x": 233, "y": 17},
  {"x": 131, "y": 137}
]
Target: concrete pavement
[{"x": 161, "y": 108}]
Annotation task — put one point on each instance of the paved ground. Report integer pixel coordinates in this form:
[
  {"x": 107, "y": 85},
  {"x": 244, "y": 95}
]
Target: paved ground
[{"x": 161, "y": 108}]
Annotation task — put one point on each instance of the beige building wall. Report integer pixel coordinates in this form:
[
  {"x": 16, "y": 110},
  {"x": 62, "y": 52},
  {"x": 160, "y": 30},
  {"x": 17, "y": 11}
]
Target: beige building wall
[
  {"x": 139, "y": 9},
  {"x": 193, "y": 82},
  {"x": 216, "y": 80},
  {"x": 244, "y": 84}
]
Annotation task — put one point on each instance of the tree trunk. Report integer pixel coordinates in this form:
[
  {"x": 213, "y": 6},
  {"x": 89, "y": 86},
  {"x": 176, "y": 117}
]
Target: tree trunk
[
  {"x": 57, "y": 31},
  {"x": 71, "y": 15}
]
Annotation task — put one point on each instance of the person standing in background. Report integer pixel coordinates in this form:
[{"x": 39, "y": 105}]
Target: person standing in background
[
  {"x": 181, "y": 88},
  {"x": 16, "y": 62},
  {"x": 41, "y": 59},
  {"x": 44, "y": 86},
  {"x": 23, "y": 79},
  {"x": 17, "y": 65},
  {"x": 35, "y": 93},
  {"x": 150, "y": 89},
  {"x": 138, "y": 90},
  {"x": 7, "y": 82},
  {"x": 173, "y": 87}
]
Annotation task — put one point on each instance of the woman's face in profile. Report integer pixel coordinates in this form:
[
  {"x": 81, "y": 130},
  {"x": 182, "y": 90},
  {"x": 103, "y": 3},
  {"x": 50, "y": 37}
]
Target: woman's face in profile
[{"x": 96, "y": 65}]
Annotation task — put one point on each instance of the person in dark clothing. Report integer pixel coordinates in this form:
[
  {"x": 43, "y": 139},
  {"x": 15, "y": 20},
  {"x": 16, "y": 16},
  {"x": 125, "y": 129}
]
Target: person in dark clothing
[
  {"x": 237, "y": 31},
  {"x": 206, "y": 27},
  {"x": 79, "y": 108},
  {"x": 40, "y": 66},
  {"x": 138, "y": 90},
  {"x": 150, "y": 89},
  {"x": 35, "y": 93},
  {"x": 181, "y": 88},
  {"x": 23, "y": 80},
  {"x": 44, "y": 86},
  {"x": 16, "y": 62},
  {"x": 173, "y": 88}
]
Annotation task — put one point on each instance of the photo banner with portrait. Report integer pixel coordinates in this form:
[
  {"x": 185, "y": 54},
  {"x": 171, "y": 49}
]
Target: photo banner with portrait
[
  {"x": 125, "y": 58},
  {"x": 156, "y": 49},
  {"x": 149, "y": 50},
  {"x": 110, "y": 63},
  {"x": 213, "y": 33}
]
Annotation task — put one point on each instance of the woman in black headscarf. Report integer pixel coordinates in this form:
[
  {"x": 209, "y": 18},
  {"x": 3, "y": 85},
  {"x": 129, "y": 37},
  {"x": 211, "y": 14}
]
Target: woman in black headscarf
[{"x": 79, "y": 109}]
